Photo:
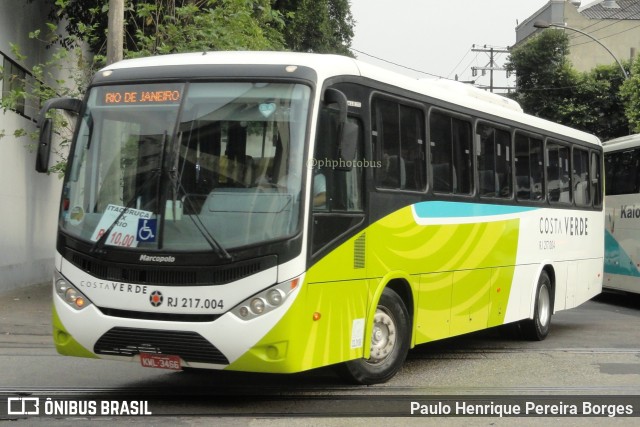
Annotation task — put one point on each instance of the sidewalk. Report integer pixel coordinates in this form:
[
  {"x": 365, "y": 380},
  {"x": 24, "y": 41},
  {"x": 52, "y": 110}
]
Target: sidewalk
[{"x": 25, "y": 316}]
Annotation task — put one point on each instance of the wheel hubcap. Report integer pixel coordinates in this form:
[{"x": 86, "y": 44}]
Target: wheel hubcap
[
  {"x": 383, "y": 338},
  {"x": 544, "y": 305}
]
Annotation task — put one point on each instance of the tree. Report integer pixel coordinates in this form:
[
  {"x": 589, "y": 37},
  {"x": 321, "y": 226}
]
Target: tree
[
  {"x": 598, "y": 106},
  {"x": 549, "y": 87},
  {"x": 544, "y": 76},
  {"x": 167, "y": 26},
  {"x": 211, "y": 25},
  {"x": 631, "y": 93},
  {"x": 322, "y": 26},
  {"x": 65, "y": 73}
]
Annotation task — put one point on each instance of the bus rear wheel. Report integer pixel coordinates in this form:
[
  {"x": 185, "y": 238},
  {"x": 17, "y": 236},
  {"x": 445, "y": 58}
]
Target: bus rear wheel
[
  {"x": 537, "y": 329},
  {"x": 390, "y": 341}
]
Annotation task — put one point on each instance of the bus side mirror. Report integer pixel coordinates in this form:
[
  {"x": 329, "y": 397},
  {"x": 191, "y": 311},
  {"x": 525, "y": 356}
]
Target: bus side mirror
[
  {"x": 346, "y": 131},
  {"x": 44, "y": 146},
  {"x": 46, "y": 128},
  {"x": 348, "y": 144}
]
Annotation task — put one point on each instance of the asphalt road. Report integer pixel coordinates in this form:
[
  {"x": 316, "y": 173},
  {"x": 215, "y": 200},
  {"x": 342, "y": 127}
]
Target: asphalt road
[{"x": 592, "y": 351}]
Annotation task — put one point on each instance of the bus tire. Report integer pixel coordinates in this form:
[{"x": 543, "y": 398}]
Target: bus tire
[
  {"x": 537, "y": 329},
  {"x": 390, "y": 341}
]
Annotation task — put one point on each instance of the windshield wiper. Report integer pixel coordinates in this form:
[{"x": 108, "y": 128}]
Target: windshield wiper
[
  {"x": 204, "y": 231},
  {"x": 99, "y": 244}
]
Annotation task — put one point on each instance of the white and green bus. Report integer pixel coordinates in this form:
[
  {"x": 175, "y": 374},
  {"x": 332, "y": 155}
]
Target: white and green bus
[
  {"x": 622, "y": 195},
  {"x": 279, "y": 212}
]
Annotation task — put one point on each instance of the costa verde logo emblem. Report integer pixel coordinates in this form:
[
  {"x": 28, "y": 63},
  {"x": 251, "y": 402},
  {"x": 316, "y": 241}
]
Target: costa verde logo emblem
[{"x": 156, "y": 298}]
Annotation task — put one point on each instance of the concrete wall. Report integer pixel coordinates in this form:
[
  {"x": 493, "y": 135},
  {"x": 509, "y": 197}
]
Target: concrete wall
[
  {"x": 28, "y": 201},
  {"x": 585, "y": 54}
]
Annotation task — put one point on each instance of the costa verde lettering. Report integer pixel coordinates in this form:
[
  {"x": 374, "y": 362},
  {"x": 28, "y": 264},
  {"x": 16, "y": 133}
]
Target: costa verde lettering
[{"x": 570, "y": 226}]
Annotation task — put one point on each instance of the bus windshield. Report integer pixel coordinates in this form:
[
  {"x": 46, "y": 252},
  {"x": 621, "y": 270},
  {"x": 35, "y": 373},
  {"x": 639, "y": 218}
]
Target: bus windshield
[{"x": 179, "y": 166}]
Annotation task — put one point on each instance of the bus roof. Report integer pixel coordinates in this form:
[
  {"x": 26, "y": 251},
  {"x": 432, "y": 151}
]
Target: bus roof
[
  {"x": 622, "y": 142},
  {"x": 327, "y": 66}
]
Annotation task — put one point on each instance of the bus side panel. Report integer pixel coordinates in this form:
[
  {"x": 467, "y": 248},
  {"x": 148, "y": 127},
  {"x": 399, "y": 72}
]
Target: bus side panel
[
  {"x": 301, "y": 341},
  {"x": 501, "y": 287},
  {"x": 470, "y": 301},
  {"x": 325, "y": 325},
  {"x": 484, "y": 306},
  {"x": 465, "y": 268},
  {"x": 622, "y": 247},
  {"x": 433, "y": 317}
]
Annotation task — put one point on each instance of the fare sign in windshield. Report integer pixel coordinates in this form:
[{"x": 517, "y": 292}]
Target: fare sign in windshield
[
  {"x": 127, "y": 231},
  {"x": 140, "y": 95}
]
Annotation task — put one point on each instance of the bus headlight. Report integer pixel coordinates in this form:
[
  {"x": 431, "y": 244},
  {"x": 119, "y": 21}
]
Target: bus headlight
[
  {"x": 69, "y": 293},
  {"x": 266, "y": 300},
  {"x": 257, "y": 306},
  {"x": 275, "y": 297}
]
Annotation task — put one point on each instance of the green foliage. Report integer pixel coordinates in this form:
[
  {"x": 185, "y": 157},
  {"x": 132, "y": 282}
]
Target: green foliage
[
  {"x": 322, "y": 26},
  {"x": 65, "y": 73},
  {"x": 219, "y": 25},
  {"x": 544, "y": 77},
  {"x": 155, "y": 27},
  {"x": 597, "y": 104},
  {"x": 549, "y": 87},
  {"x": 631, "y": 93}
]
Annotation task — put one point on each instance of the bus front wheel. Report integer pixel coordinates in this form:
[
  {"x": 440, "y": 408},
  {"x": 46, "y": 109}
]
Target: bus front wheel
[
  {"x": 537, "y": 329},
  {"x": 390, "y": 341}
]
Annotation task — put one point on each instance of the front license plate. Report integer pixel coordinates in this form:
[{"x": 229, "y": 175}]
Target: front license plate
[{"x": 160, "y": 361}]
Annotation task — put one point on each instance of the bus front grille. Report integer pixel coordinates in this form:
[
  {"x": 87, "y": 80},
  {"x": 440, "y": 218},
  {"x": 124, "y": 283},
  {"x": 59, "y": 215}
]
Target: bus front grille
[
  {"x": 169, "y": 275},
  {"x": 167, "y": 317},
  {"x": 190, "y": 346}
]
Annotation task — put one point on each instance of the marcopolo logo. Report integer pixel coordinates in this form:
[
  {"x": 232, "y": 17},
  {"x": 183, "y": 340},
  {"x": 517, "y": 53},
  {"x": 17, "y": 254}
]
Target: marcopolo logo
[{"x": 149, "y": 258}]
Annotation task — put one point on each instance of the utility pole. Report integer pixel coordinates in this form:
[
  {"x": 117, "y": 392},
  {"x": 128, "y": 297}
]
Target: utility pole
[
  {"x": 492, "y": 66},
  {"x": 115, "y": 34}
]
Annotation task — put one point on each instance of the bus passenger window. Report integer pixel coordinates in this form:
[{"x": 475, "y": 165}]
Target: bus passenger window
[
  {"x": 494, "y": 161},
  {"x": 581, "y": 177},
  {"x": 622, "y": 172},
  {"x": 596, "y": 179},
  {"x": 558, "y": 173},
  {"x": 450, "y": 141},
  {"x": 399, "y": 143},
  {"x": 529, "y": 168}
]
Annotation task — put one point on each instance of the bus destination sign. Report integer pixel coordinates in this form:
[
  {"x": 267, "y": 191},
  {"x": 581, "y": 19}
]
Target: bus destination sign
[{"x": 130, "y": 95}]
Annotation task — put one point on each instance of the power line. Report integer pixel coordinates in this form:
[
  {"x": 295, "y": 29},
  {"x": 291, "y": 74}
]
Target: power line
[
  {"x": 400, "y": 65},
  {"x": 492, "y": 66},
  {"x": 458, "y": 64}
]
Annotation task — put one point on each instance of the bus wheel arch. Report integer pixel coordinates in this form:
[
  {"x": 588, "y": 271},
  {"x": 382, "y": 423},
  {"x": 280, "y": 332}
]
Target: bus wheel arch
[
  {"x": 403, "y": 289},
  {"x": 537, "y": 327},
  {"x": 390, "y": 338}
]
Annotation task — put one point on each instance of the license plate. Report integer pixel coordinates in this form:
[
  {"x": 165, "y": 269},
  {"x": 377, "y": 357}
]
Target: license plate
[{"x": 160, "y": 361}]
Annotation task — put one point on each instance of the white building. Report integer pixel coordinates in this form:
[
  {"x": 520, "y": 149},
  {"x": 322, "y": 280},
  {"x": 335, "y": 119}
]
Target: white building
[
  {"x": 615, "y": 23},
  {"x": 28, "y": 201}
]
